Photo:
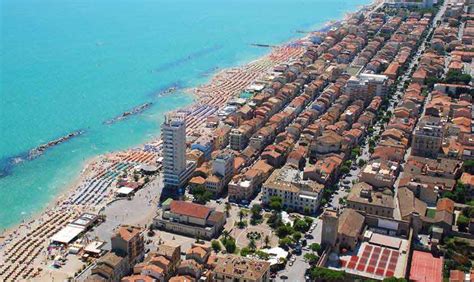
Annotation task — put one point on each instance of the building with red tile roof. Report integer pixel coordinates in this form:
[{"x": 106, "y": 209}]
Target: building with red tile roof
[{"x": 190, "y": 219}]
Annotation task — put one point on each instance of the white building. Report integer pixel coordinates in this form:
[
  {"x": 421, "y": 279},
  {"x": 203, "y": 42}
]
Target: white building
[
  {"x": 365, "y": 86},
  {"x": 176, "y": 170},
  {"x": 296, "y": 193},
  {"x": 223, "y": 165}
]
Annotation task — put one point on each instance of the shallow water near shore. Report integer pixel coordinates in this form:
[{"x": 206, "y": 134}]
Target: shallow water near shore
[{"x": 71, "y": 65}]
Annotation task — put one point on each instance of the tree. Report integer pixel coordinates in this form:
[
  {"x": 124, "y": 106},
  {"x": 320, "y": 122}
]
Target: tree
[
  {"x": 256, "y": 213},
  {"x": 136, "y": 177},
  {"x": 242, "y": 224},
  {"x": 276, "y": 203},
  {"x": 306, "y": 210},
  {"x": 241, "y": 215},
  {"x": 325, "y": 274},
  {"x": 355, "y": 152},
  {"x": 252, "y": 246},
  {"x": 457, "y": 77},
  {"x": 227, "y": 209},
  {"x": 225, "y": 234},
  {"x": 245, "y": 251},
  {"x": 266, "y": 240},
  {"x": 301, "y": 225},
  {"x": 345, "y": 169},
  {"x": 297, "y": 236},
  {"x": 463, "y": 222},
  {"x": 229, "y": 244},
  {"x": 284, "y": 231},
  {"x": 262, "y": 255},
  {"x": 275, "y": 220},
  {"x": 216, "y": 246},
  {"x": 469, "y": 166},
  {"x": 308, "y": 220},
  {"x": 458, "y": 195},
  {"x": 315, "y": 247},
  {"x": 394, "y": 279},
  {"x": 361, "y": 163},
  {"x": 201, "y": 195},
  {"x": 311, "y": 258},
  {"x": 371, "y": 142},
  {"x": 284, "y": 242}
]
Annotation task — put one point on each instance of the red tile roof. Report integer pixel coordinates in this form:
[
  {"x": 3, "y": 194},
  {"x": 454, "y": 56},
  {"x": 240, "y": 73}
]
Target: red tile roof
[
  {"x": 445, "y": 204},
  {"x": 189, "y": 209}
]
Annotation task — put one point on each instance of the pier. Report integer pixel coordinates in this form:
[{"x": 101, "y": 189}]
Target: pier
[{"x": 263, "y": 45}]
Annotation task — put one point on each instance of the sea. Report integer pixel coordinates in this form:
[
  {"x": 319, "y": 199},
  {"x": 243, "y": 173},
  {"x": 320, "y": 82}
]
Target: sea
[{"x": 70, "y": 65}]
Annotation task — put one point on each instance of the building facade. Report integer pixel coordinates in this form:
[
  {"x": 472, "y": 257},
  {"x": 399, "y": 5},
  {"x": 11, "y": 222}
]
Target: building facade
[
  {"x": 296, "y": 193},
  {"x": 366, "y": 86},
  {"x": 190, "y": 219},
  {"x": 363, "y": 198},
  {"x": 428, "y": 137},
  {"x": 129, "y": 241},
  {"x": 176, "y": 170},
  {"x": 239, "y": 269}
]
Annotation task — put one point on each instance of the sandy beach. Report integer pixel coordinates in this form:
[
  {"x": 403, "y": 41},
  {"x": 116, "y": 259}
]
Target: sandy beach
[{"x": 23, "y": 248}]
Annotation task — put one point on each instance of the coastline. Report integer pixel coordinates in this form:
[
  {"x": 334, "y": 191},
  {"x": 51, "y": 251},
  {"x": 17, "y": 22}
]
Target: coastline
[
  {"x": 73, "y": 184},
  {"x": 201, "y": 97},
  {"x": 81, "y": 174}
]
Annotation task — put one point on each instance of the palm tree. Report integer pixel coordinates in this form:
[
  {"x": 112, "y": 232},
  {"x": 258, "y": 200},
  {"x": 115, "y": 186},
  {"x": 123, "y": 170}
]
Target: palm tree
[
  {"x": 252, "y": 245},
  {"x": 227, "y": 209},
  {"x": 266, "y": 241},
  {"x": 241, "y": 215},
  {"x": 225, "y": 234}
]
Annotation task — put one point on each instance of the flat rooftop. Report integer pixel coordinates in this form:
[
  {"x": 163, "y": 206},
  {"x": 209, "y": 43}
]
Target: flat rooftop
[
  {"x": 426, "y": 267},
  {"x": 377, "y": 261}
]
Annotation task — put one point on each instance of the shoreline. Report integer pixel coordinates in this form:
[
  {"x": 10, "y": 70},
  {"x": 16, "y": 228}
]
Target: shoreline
[
  {"x": 208, "y": 98},
  {"x": 73, "y": 184},
  {"x": 80, "y": 175}
]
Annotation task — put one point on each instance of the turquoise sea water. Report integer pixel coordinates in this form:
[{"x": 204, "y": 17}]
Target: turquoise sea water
[{"x": 68, "y": 65}]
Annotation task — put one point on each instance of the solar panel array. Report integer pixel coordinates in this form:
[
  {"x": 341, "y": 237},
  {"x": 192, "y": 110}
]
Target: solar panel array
[{"x": 374, "y": 260}]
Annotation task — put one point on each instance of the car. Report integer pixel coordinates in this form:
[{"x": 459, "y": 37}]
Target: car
[
  {"x": 218, "y": 201},
  {"x": 291, "y": 263},
  {"x": 346, "y": 181},
  {"x": 353, "y": 167}
]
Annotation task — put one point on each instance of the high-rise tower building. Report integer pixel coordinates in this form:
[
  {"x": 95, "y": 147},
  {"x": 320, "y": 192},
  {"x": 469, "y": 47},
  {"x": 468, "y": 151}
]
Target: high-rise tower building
[{"x": 175, "y": 169}]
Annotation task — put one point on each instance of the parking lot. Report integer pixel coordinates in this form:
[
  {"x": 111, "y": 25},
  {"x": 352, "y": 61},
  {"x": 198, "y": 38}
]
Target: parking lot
[{"x": 297, "y": 265}]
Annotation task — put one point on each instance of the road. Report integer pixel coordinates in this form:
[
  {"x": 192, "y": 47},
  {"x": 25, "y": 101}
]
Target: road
[
  {"x": 407, "y": 77},
  {"x": 296, "y": 272}
]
